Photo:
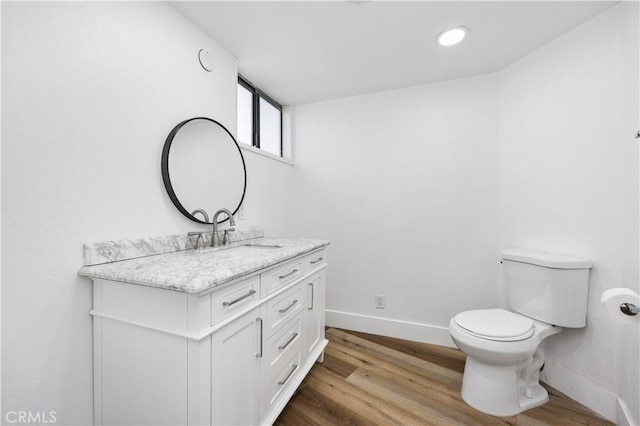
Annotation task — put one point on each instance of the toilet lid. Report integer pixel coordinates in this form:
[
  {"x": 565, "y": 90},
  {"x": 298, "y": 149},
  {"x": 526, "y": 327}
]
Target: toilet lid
[{"x": 496, "y": 324}]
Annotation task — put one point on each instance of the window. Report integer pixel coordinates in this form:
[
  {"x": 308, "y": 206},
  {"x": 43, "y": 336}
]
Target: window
[
  {"x": 245, "y": 115},
  {"x": 259, "y": 119}
]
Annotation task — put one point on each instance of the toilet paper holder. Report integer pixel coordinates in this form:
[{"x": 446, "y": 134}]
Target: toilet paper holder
[{"x": 629, "y": 309}]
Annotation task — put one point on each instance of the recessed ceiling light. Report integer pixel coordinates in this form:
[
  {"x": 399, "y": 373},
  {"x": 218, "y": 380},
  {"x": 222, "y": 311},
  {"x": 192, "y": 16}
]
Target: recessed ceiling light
[{"x": 451, "y": 36}]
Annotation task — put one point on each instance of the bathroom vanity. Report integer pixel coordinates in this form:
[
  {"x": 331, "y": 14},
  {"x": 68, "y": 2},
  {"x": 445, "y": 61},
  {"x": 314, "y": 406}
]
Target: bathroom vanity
[{"x": 216, "y": 336}]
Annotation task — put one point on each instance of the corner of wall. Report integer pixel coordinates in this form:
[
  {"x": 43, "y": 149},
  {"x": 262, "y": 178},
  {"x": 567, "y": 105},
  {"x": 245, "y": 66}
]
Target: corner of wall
[
  {"x": 582, "y": 389},
  {"x": 623, "y": 414}
]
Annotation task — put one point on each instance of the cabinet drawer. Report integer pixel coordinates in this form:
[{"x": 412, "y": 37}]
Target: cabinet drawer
[
  {"x": 283, "y": 275},
  {"x": 283, "y": 308},
  {"x": 283, "y": 343},
  {"x": 233, "y": 299},
  {"x": 274, "y": 388},
  {"x": 315, "y": 260}
]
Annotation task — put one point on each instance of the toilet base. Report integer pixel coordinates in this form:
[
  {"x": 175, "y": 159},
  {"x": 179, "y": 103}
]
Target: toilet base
[{"x": 497, "y": 389}]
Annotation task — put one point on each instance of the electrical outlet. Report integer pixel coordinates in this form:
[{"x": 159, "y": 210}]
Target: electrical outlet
[
  {"x": 241, "y": 212},
  {"x": 380, "y": 300}
]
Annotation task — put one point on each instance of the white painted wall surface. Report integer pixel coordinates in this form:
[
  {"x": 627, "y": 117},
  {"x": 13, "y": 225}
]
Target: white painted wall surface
[
  {"x": 268, "y": 201},
  {"x": 405, "y": 185},
  {"x": 569, "y": 184},
  {"x": 90, "y": 92}
]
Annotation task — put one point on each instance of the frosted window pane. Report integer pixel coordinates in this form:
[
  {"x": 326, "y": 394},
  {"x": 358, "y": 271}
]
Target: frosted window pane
[
  {"x": 245, "y": 116},
  {"x": 270, "y": 139}
]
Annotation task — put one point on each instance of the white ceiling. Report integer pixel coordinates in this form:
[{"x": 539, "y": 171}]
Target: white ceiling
[{"x": 307, "y": 51}]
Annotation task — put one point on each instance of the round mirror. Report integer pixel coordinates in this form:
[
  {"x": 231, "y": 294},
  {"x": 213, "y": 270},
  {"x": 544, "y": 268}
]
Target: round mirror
[{"x": 203, "y": 169}]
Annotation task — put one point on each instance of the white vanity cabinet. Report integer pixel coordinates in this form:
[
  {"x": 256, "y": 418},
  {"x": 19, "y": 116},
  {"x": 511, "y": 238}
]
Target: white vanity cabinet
[{"x": 233, "y": 354}]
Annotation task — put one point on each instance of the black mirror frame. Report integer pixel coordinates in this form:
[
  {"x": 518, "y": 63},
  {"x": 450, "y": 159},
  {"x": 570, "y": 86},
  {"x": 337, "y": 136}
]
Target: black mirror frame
[{"x": 164, "y": 164}]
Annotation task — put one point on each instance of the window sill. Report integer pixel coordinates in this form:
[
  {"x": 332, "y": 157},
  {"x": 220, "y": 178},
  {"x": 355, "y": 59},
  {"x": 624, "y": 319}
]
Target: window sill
[{"x": 246, "y": 147}]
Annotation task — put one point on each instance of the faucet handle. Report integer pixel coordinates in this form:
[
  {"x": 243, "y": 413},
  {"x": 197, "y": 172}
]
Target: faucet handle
[
  {"x": 199, "y": 240},
  {"x": 225, "y": 238}
]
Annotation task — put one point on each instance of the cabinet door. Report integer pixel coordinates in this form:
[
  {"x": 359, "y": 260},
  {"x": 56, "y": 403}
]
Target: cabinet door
[
  {"x": 139, "y": 368},
  {"x": 314, "y": 313},
  {"x": 235, "y": 361}
]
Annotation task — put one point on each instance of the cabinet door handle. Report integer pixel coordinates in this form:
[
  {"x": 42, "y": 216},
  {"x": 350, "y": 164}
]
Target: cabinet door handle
[
  {"x": 259, "y": 354},
  {"x": 293, "y": 337},
  {"x": 282, "y": 277},
  {"x": 233, "y": 302},
  {"x": 286, "y": 379},
  {"x": 311, "y": 308},
  {"x": 313, "y": 262},
  {"x": 282, "y": 311}
]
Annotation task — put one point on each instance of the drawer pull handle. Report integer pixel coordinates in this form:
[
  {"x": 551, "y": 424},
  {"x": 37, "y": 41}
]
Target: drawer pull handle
[
  {"x": 233, "y": 302},
  {"x": 282, "y": 277},
  {"x": 259, "y": 354},
  {"x": 313, "y": 262},
  {"x": 293, "y": 337},
  {"x": 282, "y": 311},
  {"x": 286, "y": 379},
  {"x": 311, "y": 308}
]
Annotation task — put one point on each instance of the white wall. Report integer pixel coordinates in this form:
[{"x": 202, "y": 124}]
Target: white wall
[
  {"x": 569, "y": 184},
  {"x": 405, "y": 185},
  {"x": 90, "y": 92},
  {"x": 267, "y": 200}
]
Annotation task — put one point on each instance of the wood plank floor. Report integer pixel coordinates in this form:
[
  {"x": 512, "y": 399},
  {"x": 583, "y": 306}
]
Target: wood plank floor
[{"x": 374, "y": 380}]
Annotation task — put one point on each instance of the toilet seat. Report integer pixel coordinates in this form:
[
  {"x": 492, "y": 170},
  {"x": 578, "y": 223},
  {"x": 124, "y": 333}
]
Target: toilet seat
[{"x": 496, "y": 324}]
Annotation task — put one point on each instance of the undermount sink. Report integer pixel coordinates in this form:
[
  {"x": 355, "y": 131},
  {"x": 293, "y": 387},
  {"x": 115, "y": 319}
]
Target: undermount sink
[{"x": 249, "y": 249}]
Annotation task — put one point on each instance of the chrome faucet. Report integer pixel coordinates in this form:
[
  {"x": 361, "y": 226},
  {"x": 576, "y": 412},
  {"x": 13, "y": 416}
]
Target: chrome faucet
[{"x": 215, "y": 239}]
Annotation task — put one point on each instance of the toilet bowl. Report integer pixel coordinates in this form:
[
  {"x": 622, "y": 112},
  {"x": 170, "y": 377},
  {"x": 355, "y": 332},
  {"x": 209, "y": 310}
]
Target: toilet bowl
[
  {"x": 545, "y": 293},
  {"x": 503, "y": 360}
]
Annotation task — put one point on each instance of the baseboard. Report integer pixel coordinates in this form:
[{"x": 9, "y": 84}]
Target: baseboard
[
  {"x": 623, "y": 414},
  {"x": 582, "y": 389},
  {"x": 408, "y": 330}
]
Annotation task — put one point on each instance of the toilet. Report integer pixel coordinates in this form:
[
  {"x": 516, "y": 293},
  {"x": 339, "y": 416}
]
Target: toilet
[{"x": 545, "y": 293}]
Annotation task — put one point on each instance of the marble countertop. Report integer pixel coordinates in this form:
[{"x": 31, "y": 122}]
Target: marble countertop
[{"x": 194, "y": 271}]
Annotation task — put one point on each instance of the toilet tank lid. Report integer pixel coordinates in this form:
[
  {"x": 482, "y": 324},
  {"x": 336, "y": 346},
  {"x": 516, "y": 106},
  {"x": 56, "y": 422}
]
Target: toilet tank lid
[{"x": 549, "y": 260}]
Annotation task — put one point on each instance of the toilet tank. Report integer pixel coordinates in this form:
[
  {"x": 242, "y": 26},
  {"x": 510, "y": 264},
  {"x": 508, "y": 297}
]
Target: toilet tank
[{"x": 551, "y": 288}]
